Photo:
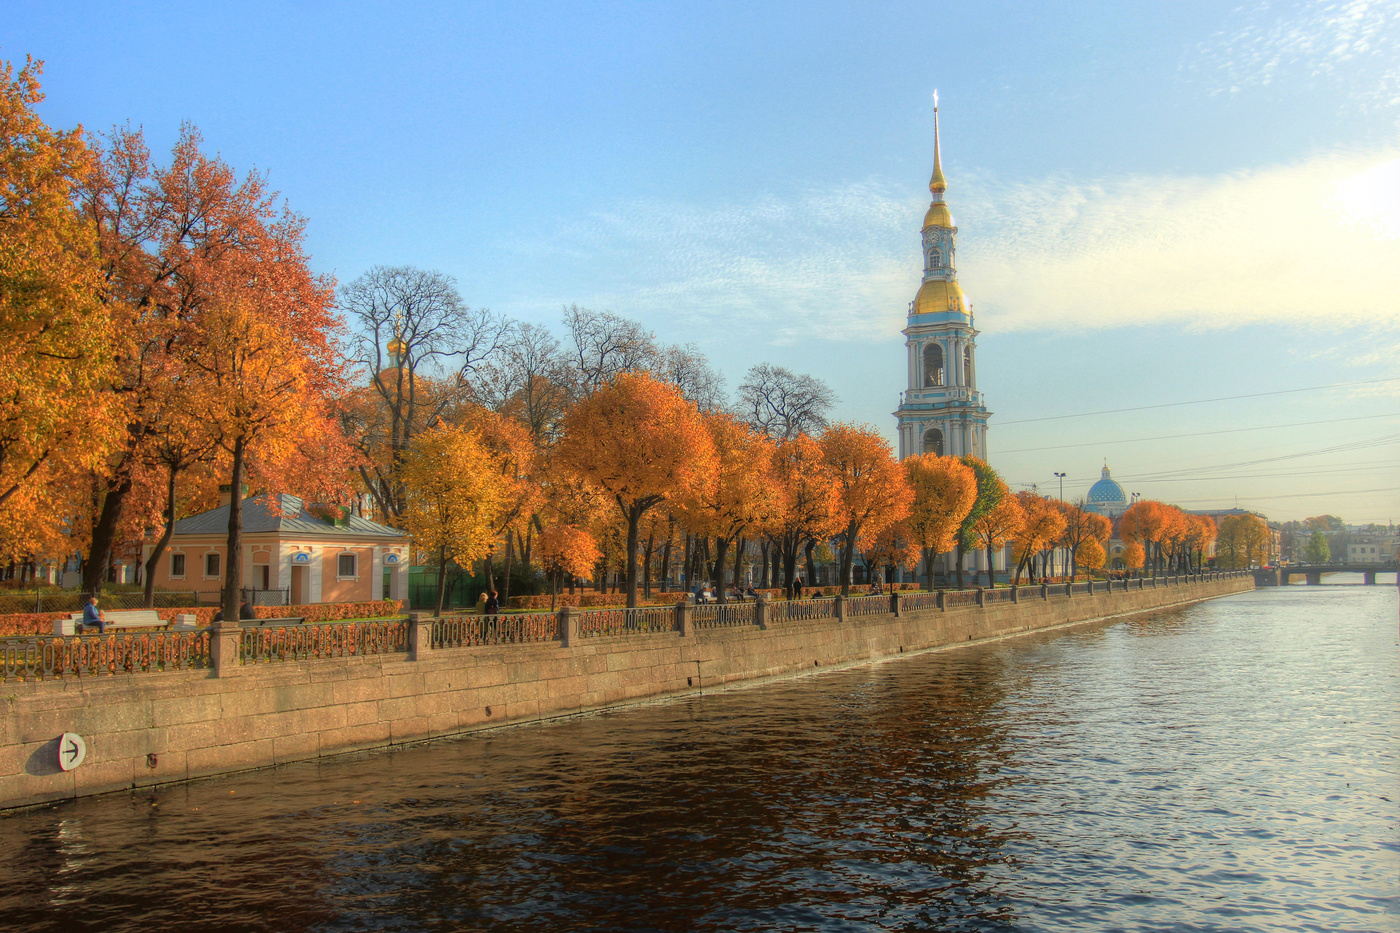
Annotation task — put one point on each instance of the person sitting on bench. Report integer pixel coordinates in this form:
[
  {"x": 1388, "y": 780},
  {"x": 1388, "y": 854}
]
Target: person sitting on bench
[{"x": 93, "y": 617}]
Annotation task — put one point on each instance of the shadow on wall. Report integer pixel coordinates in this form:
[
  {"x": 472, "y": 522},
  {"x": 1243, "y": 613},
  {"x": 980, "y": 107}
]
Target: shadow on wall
[{"x": 44, "y": 760}]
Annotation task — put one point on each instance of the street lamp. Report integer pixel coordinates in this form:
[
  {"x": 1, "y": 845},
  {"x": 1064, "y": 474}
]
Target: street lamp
[
  {"x": 1062, "y": 486},
  {"x": 1135, "y": 497}
]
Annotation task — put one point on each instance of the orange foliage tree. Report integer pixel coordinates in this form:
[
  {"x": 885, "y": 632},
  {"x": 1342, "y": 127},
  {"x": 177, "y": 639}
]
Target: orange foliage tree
[
  {"x": 1082, "y": 525},
  {"x": 514, "y": 454},
  {"x": 642, "y": 443},
  {"x": 455, "y": 497},
  {"x": 873, "y": 490},
  {"x": 54, "y": 334},
  {"x": 565, "y": 549},
  {"x": 1042, "y": 525},
  {"x": 895, "y": 546},
  {"x": 1090, "y": 554},
  {"x": 742, "y": 495},
  {"x": 809, "y": 500},
  {"x": 1133, "y": 556},
  {"x": 944, "y": 490},
  {"x": 1145, "y": 523},
  {"x": 995, "y": 527}
]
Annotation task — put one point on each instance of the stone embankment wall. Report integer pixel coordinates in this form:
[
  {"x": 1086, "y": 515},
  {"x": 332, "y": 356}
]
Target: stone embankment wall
[{"x": 247, "y": 707}]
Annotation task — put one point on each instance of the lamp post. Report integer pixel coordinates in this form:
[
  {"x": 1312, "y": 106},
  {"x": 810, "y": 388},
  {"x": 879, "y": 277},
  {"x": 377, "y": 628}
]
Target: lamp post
[{"x": 1062, "y": 486}]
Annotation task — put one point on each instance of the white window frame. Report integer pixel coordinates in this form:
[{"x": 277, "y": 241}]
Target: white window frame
[
  {"x": 353, "y": 556},
  {"x": 219, "y": 571},
  {"x": 184, "y": 569}
]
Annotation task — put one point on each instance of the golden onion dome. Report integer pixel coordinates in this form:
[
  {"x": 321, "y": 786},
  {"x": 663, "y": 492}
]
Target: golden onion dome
[
  {"x": 397, "y": 348},
  {"x": 937, "y": 297},
  {"x": 938, "y": 215}
]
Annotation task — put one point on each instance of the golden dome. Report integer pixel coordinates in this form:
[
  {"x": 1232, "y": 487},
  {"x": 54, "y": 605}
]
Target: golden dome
[
  {"x": 938, "y": 296},
  {"x": 397, "y": 348},
  {"x": 938, "y": 215}
]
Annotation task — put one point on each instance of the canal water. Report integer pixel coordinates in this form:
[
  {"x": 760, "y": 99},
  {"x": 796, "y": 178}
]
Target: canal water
[{"x": 1233, "y": 765}]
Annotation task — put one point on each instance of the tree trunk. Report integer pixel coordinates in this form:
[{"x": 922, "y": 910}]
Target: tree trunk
[
  {"x": 721, "y": 549},
  {"x": 789, "y": 556},
  {"x": 162, "y": 543},
  {"x": 848, "y": 558},
  {"x": 442, "y": 578},
  {"x": 763, "y": 549},
  {"x": 960, "y": 564},
  {"x": 104, "y": 533},
  {"x": 505, "y": 576},
  {"x": 666, "y": 564},
  {"x": 738, "y": 564},
  {"x": 991, "y": 582},
  {"x": 928, "y": 567},
  {"x": 491, "y": 568},
  {"x": 646, "y": 565},
  {"x": 634, "y": 520},
  {"x": 808, "y": 550},
  {"x": 233, "y": 572}
]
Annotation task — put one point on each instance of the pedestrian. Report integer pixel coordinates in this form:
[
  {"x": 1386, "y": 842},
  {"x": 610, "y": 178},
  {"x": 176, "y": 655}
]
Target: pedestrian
[
  {"x": 493, "y": 604},
  {"x": 245, "y": 611},
  {"x": 93, "y": 617},
  {"x": 797, "y": 588}
]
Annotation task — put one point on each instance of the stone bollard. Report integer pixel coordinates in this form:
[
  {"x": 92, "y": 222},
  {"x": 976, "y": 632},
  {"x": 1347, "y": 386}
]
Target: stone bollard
[
  {"x": 840, "y": 608},
  {"x": 420, "y": 635},
  {"x": 568, "y": 626},
  {"x": 684, "y": 617},
  {"x": 225, "y": 640},
  {"x": 763, "y": 611},
  {"x": 894, "y": 604}
]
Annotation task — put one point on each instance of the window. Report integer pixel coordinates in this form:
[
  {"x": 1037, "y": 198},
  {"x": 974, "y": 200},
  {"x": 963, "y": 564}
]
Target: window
[
  {"x": 177, "y": 565},
  {"x": 933, "y": 442},
  {"x": 211, "y": 565},
  {"x": 933, "y": 365},
  {"x": 346, "y": 565},
  {"x": 967, "y": 365},
  {"x": 935, "y": 259}
]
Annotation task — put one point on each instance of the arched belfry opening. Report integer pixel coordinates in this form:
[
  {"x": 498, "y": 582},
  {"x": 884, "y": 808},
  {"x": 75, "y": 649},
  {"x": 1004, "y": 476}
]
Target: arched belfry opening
[
  {"x": 967, "y": 365},
  {"x": 935, "y": 258},
  {"x": 933, "y": 442},
  {"x": 933, "y": 365}
]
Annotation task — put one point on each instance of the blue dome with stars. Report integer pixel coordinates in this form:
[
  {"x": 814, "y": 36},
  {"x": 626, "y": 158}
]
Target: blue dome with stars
[{"x": 1106, "y": 497}]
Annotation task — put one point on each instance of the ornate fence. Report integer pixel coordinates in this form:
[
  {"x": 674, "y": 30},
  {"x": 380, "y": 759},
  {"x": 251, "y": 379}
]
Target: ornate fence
[
  {"x": 867, "y": 606},
  {"x": 323, "y": 640},
  {"x": 916, "y": 602},
  {"x": 997, "y": 596},
  {"x": 714, "y": 616},
  {"x": 804, "y": 610},
  {"x": 644, "y": 620},
  {"x": 1078, "y": 588},
  {"x": 516, "y": 628},
  {"x": 955, "y": 599},
  {"x": 51, "y": 656}
]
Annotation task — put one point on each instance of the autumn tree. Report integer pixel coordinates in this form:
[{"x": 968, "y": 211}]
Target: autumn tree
[
  {"x": 529, "y": 380},
  {"x": 1090, "y": 554},
  {"x": 516, "y": 460},
  {"x": 602, "y": 345},
  {"x": 1133, "y": 556},
  {"x": 944, "y": 490},
  {"x": 809, "y": 502},
  {"x": 1145, "y": 522},
  {"x": 1042, "y": 526},
  {"x": 55, "y": 360},
  {"x": 416, "y": 345},
  {"x": 742, "y": 495},
  {"x": 782, "y": 403},
  {"x": 1242, "y": 541},
  {"x": 995, "y": 527},
  {"x": 895, "y": 546},
  {"x": 991, "y": 489},
  {"x": 455, "y": 495},
  {"x": 642, "y": 443},
  {"x": 565, "y": 549},
  {"x": 872, "y": 488},
  {"x": 1081, "y": 525}
]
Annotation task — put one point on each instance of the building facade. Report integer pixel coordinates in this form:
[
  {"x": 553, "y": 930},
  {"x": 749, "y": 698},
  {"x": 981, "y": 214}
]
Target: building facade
[{"x": 941, "y": 411}]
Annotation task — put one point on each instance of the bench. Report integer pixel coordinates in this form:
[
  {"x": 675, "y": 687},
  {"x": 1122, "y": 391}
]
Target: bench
[{"x": 124, "y": 620}]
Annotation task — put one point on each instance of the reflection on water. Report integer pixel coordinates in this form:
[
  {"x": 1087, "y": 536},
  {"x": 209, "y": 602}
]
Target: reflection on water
[{"x": 1229, "y": 766}]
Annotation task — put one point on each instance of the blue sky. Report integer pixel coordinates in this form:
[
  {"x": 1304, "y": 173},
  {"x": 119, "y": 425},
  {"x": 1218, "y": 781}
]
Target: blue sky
[{"x": 1157, "y": 203}]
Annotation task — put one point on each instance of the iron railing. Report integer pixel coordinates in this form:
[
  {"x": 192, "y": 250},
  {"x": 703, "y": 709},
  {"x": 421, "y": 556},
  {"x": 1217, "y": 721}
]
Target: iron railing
[
  {"x": 997, "y": 596},
  {"x": 804, "y": 610},
  {"x": 261, "y": 644},
  {"x": 641, "y": 621},
  {"x": 867, "y": 605},
  {"x": 41, "y": 657},
  {"x": 915, "y": 602},
  {"x": 956, "y": 599},
  {"x": 516, "y": 628},
  {"x": 714, "y": 615},
  {"x": 257, "y": 597}
]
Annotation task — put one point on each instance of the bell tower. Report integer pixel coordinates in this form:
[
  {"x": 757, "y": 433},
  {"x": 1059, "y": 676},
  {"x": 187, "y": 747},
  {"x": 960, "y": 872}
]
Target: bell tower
[{"x": 941, "y": 410}]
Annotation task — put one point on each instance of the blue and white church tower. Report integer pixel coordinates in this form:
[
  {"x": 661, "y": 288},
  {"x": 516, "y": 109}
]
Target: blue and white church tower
[{"x": 941, "y": 411}]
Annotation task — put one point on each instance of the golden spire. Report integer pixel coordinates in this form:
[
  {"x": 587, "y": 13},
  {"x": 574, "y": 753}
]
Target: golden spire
[{"x": 937, "y": 184}]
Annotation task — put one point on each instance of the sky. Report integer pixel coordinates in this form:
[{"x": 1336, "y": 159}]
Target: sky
[{"x": 1179, "y": 224}]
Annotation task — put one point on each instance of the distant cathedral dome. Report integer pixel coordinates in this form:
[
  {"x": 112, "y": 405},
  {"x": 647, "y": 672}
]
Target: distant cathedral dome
[
  {"x": 939, "y": 297},
  {"x": 1106, "y": 497}
]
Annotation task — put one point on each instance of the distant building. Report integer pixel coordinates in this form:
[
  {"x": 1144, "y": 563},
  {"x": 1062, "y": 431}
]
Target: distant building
[
  {"x": 288, "y": 552},
  {"x": 1106, "y": 497}
]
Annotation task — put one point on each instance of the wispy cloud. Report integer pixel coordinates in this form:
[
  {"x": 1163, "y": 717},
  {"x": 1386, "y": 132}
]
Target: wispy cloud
[
  {"x": 1351, "y": 44},
  {"x": 1313, "y": 242}
]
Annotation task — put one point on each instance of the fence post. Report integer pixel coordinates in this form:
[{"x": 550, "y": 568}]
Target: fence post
[
  {"x": 225, "y": 640},
  {"x": 840, "y": 608},
  {"x": 762, "y": 608},
  {"x": 894, "y": 604},
  {"x": 942, "y": 603},
  {"x": 420, "y": 636},
  {"x": 1091, "y": 586},
  {"x": 685, "y": 623},
  {"x": 568, "y": 626},
  {"x": 1044, "y": 591},
  {"x": 1015, "y": 593},
  {"x": 981, "y": 597}
]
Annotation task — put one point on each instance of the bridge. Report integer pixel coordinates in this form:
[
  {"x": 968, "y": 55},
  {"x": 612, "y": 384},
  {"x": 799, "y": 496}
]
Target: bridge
[{"x": 1278, "y": 576}]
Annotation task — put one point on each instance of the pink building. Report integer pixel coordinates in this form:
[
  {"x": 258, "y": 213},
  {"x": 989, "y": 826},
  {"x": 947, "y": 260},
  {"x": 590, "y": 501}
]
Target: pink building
[{"x": 318, "y": 560}]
